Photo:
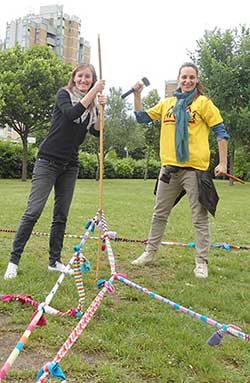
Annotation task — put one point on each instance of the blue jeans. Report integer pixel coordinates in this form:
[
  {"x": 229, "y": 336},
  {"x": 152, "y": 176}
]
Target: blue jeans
[{"x": 47, "y": 174}]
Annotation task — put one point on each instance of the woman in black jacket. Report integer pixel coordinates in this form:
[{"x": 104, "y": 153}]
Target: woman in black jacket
[{"x": 57, "y": 164}]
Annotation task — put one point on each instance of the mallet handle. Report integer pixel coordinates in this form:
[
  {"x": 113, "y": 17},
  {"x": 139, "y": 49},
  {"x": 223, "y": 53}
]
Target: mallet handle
[
  {"x": 234, "y": 178},
  {"x": 124, "y": 95}
]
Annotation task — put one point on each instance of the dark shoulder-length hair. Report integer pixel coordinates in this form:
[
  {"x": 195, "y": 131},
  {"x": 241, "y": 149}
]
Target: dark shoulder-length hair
[
  {"x": 80, "y": 67},
  {"x": 192, "y": 65}
]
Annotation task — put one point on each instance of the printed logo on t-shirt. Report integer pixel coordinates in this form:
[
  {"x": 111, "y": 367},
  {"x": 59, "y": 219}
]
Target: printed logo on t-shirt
[{"x": 170, "y": 117}]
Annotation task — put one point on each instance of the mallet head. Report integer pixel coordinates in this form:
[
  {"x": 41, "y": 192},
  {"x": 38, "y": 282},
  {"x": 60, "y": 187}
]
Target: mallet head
[
  {"x": 145, "y": 81},
  {"x": 215, "y": 339}
]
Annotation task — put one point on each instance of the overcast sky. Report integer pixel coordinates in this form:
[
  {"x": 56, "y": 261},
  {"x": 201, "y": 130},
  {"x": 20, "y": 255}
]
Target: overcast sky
[{"x": 140, "y": 38}]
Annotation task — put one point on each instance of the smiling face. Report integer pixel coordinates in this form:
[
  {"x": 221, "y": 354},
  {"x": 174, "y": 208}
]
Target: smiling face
[
  {"x": 188, "y": 79},
  {"x": 83, "y": 79}
]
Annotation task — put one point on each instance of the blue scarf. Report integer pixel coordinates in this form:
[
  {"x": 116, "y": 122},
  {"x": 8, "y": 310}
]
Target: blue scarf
[{"x": 181, "y": 128}]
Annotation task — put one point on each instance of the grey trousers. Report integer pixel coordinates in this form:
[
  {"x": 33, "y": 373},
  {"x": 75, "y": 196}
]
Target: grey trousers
[
  {"x": 166, "y": 195},
  {"x": 46, "y": 175}
]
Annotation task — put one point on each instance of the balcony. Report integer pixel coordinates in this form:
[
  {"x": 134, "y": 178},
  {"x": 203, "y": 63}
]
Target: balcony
[{"x": 51, "y": 41}]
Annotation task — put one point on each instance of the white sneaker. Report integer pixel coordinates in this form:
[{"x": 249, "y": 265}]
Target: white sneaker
[
  {"x": 201, "y": 270},
  {"x": 146, "y": 257},
  {"x": 61, "y": 268},
  {"x": 11, "y": 271}
]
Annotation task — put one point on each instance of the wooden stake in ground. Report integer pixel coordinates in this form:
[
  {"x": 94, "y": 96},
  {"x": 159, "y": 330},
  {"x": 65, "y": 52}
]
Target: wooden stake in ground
[{"x": 101, "y": 157}]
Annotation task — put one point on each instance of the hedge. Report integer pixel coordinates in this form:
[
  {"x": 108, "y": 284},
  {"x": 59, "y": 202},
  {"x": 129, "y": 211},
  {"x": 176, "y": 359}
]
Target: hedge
[
  {"x": 11, "y": 155},
  {"x": 11, "y": 164}
]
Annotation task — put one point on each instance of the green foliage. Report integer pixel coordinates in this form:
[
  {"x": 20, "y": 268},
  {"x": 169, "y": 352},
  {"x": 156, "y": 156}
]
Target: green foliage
[
  {"x": 153, "y": 168},
  {"x": 125, "y": 168},
  {"x": 223, "y": 59},
  {"x": 139, "y": 169},
  {"x": 29, "y": 81},
  {"x": 242, "y": 163},
  {"x": 151, "y": 134},
  {"x": 11, "y": 154},
  {"x": 90, "y": 144},
  {"x": 214, "y": 155},
  {"x": 111, "y": 155},
  {"x": 88, "y": 165},
  {"x": 28, "y": 87},
  {"x": 11, "y": 159},
  {"x": 121, "y": 129},
  {"x": 243, "y": 124},
  {"x": 152, "y": 130},
  {"x": 109, "y": 168}
]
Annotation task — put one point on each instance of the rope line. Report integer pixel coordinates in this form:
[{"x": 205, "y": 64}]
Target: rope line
[{"x": 225, "y": 245}]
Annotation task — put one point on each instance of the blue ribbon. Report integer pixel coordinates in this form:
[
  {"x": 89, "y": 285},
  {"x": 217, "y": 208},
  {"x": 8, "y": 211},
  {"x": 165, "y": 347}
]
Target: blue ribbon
[
  {"x": 54, "y": 369},
  {"x": 85, "y": 267}
]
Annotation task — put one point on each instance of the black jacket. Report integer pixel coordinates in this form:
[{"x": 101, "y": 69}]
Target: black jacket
[{"x": 65, "y": 136}]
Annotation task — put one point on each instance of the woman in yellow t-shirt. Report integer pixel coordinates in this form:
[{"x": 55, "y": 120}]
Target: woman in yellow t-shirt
[{"x": 186, "y": 119}]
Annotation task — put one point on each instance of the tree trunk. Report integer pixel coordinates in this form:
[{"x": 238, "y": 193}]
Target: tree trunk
[
  {"x": 97, "y": 174},
  {"x": 231, "y": 163},
  {"x": 146, "y": 165},
  {"x": 25, "y": 159}
]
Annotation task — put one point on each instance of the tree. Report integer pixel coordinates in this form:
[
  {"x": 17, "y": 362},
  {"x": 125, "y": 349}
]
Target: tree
[
  {"x": 151, "y": 130},
  {"x": 121, "y": 129},
  {"x": 29, "y": 81},
  {"x": 121, "y": 132},
  {"x": 223, "y": 59}
]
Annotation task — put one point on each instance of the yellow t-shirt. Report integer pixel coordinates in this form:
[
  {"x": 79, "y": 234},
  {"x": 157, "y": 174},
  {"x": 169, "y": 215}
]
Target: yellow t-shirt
[{"x": 203, "y": 116}]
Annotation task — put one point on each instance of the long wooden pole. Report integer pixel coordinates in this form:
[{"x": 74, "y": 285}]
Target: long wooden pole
[{"x": 101, "y": 157}]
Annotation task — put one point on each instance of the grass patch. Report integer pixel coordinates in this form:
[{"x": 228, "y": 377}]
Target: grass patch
[{"x": 132, "y": 338}]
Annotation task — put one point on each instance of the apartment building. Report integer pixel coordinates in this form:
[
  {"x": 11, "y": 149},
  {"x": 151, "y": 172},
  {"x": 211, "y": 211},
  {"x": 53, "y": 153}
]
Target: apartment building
[
  {"x": 51, "y": 27},
  {"x": 170, "y": 87},
  {"x": 7, "y": 133}
]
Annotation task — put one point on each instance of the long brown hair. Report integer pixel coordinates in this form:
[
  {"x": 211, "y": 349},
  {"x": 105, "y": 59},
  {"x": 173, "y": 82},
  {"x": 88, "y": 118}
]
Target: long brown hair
[
  {"x": 80, "y": 67},
  {"x": 192, "y": 65}
]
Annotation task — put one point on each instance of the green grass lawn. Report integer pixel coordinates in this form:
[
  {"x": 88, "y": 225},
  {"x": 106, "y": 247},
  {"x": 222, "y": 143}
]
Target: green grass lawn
[{"x": 132, "y": 337}]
